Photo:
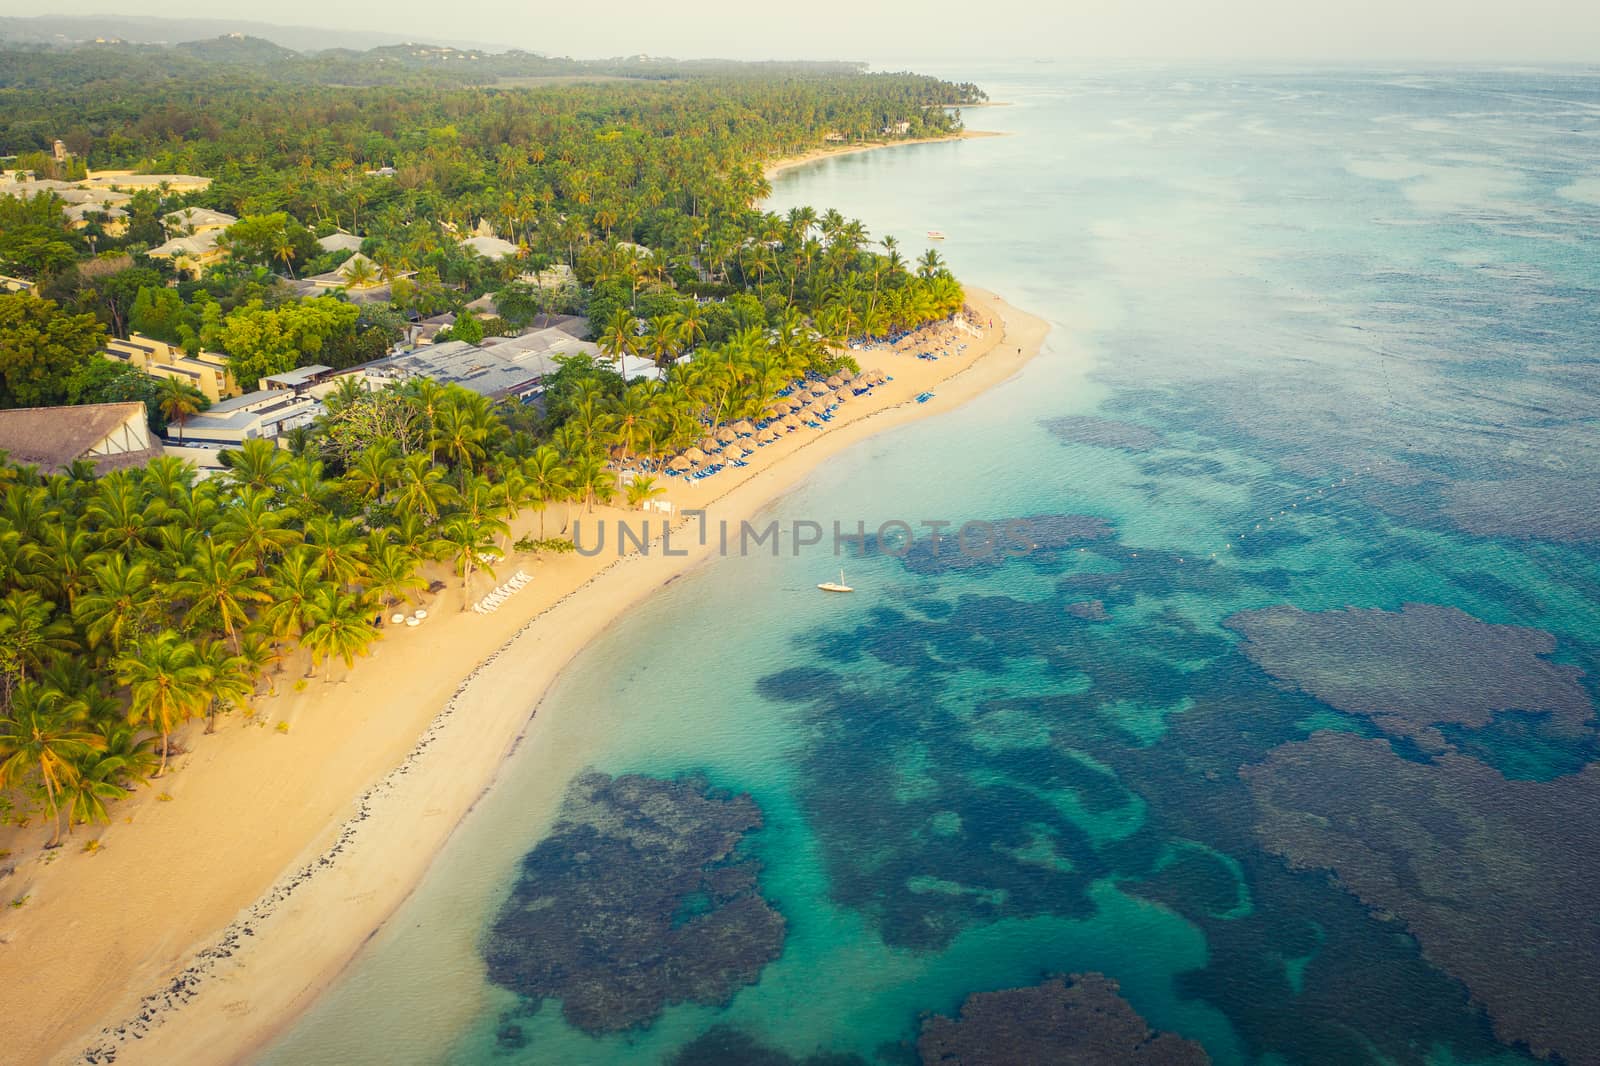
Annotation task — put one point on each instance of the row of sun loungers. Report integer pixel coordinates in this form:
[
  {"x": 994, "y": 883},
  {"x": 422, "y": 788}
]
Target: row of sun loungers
[{"x": 491, "y": 603}]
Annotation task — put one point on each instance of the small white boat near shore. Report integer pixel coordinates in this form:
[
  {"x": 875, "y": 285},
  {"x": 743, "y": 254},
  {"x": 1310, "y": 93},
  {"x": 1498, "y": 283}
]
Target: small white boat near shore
[
  {"x": 836, "y": 586},
  {"x": 935, "y": 235}
]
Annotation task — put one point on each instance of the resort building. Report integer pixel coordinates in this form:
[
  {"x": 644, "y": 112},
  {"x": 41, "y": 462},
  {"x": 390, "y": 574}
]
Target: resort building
[
  {"x": 11, "y": 284},
  {"x": 542, "y": 344},
  {"x": 190, "y": 221},
  {"x": 112, "y": 436},
  {"x": 113, "y": 219},
  {"x": 339, "y": 242},
  {"x": 207, "y": 371},
  {"x": 191, "y": 255},
  {"x": 263, "y": 415},
  {"x": 128, "y": 181},
  {"x": 459, "y": 363},
  {"x": 299, "y": 381},
  {"x": 555, "y": 278},
  {"x": 361, "y": 279},
  {"x": 491, "y": 247}
]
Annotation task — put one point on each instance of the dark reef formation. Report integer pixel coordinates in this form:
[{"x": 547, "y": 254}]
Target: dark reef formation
[
  {"x": 1040, "y": 535},
  {"x": 1416, "y": 668},
  {"x": 636, "y": 900},
  {"x": 723, "y": 1045},
  {"x": 1498, "y": 880},
  {"x": 1080, "y": 1020},
  {"x": 1103, "y": 433},
  {"x": 1531, "y": 507}
]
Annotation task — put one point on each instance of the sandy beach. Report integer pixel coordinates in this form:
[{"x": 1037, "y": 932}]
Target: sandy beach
[
  {"x": 789, "y": 163},
  {"x": 226, "y": 895}
]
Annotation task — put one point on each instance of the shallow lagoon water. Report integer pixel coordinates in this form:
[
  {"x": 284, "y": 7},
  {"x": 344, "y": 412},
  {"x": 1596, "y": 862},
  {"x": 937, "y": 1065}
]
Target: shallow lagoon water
[{"x": 1353, "y": 316}]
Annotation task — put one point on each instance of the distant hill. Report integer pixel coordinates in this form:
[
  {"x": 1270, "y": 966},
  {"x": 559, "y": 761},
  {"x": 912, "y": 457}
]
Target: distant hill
[
  {"x": 237, "y": 48},
  {"x": 148, "y": 29}
]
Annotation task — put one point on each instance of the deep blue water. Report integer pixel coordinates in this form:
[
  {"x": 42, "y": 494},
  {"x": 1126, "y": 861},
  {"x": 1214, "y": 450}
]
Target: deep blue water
[{"x": 1322, "y": 341}]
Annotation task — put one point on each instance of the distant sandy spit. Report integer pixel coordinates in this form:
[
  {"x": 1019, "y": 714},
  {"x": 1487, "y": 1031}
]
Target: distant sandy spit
[
  {"x": 230, "y": 893},
  {"x": 778, "y": 166}
]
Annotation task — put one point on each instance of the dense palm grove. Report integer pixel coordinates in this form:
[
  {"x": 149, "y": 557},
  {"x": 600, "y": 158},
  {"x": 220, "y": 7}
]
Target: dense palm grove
[{"x": 141, "y": 600}]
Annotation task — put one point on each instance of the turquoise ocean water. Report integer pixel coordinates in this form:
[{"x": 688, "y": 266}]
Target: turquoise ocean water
[{"x": 1321, "y": 340}]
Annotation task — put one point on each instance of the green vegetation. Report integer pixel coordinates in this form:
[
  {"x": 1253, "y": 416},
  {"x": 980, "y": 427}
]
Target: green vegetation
[{"x": 133, "y": 603}]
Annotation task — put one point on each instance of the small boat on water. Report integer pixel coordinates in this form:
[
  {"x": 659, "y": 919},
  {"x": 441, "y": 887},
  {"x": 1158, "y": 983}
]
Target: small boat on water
[
  {"x": 836, "y": 586},
  {"x": 935, "y": 235}
]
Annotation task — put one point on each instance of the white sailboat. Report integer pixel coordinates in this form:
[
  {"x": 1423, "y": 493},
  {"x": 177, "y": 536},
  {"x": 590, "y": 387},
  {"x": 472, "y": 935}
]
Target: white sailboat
[{"x": 836, "y": 586}]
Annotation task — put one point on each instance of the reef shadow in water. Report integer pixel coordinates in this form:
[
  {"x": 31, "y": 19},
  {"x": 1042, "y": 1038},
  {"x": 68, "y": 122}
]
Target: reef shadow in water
[
  {"x": 636, "y": 900},
  {"x": 1082, "y": 1020},
  {"x": 1414, "y": 669},
  {"x": 1498, "y": 880}
]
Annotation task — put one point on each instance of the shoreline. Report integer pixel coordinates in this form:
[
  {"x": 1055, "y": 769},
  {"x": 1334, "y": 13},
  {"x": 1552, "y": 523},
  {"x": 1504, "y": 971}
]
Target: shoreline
[
  {"x": 779, "y": 166},
  {"x": 317, "y": 844}
]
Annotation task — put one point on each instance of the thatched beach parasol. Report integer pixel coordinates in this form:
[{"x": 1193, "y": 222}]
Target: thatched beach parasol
[
  {"x": 726, "y": 434},
  {"x": 694, "y": 455},
  {"x": 743, "y": 427},
  {"x": 678, "y": 463},
  {"x": 768, "y": 434}
]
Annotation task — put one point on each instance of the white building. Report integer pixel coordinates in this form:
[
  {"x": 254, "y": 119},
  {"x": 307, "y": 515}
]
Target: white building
[{"x": 266, "y": 414}]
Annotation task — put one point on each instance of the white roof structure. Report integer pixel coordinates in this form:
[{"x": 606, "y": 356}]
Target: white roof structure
[
  {"x": 339, "y": 242},
  {"x": 635, "y": 367},
  {"x": 199, "y": 244},
  {"x": 490, "y": 247},
  {"x": 197, "y": 218}
]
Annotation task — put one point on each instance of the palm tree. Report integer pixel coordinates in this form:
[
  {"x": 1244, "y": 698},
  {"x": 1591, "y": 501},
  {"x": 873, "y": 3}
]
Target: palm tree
[
  {"x": 339, "y": 547},
  {"x": 373, "y": 473},
  {"x": 40, "y": 735},
  {"x": 296, "y": 582},
  {"x": 340, "y": 629},
  {"x": 177, "y": 400},
  {"x": 547, "y": 479},
  {"x": 166, "y": 685},
  {"x": 423, "y": 488},
  {"x": 257, "y": 464},
  {"x": 118, "y": 602},
  {"x": 392, "y": 574},
  {"x": 256, "y": 527},
  {"x": 28, "y": 633},
  {"x": 218, "y": 584},
  {"x": 620, "y": 337},
  {"x": 230, "y": 681},
  {"x": 642, "y": 489},
  {"x": 469, "y": 544}
]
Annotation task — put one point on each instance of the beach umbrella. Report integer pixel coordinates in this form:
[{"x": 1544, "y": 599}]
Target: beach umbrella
[
  {"x": 834, "y": 382},
  {"x": 678, "y": 463},
  {"x": 783, "y": 407},
  {"x": 695, "y": 455},
  {"x": 735, "y": 451},
  {"x": 818, "y": 388},
  {"x": 768, "y": 434},
  {"x": 790, "y": 422},
  {"x": 726, "y": 434},
  {"x": 743, "y": 428},
  {"x": 841, "y": 395},
  {"x": 848, "y": 376},
  {"x": 708, "y": 443}
]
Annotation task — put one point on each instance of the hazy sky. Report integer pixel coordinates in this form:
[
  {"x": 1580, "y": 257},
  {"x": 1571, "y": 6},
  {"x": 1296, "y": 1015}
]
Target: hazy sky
[{"x": 986, "y": 30}]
